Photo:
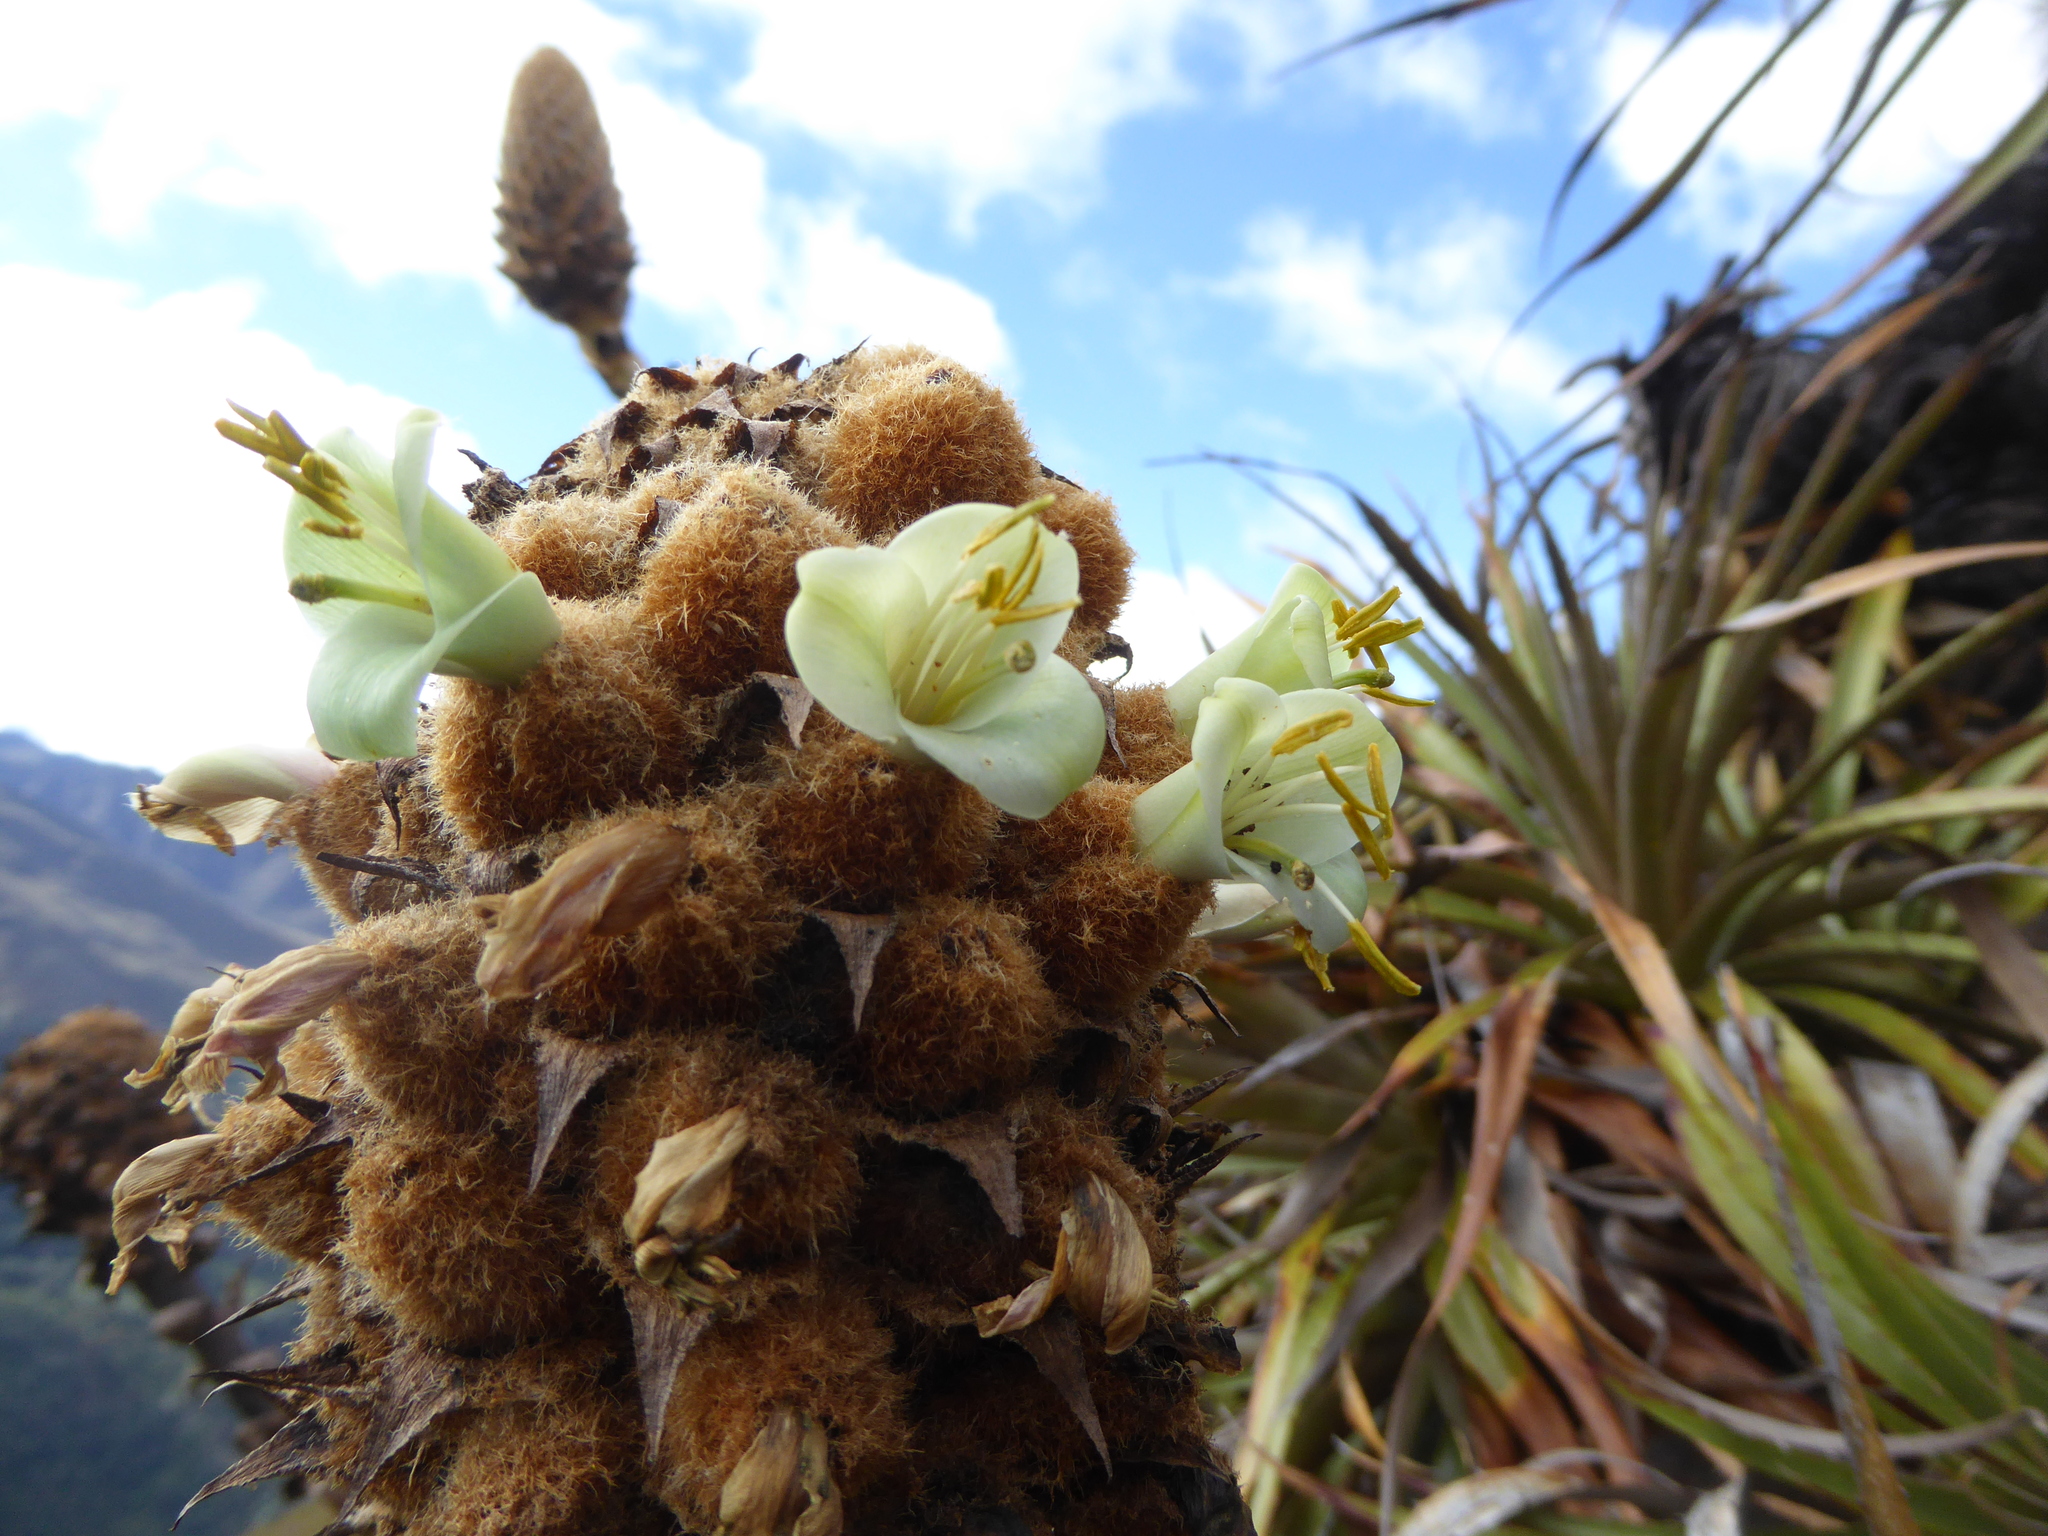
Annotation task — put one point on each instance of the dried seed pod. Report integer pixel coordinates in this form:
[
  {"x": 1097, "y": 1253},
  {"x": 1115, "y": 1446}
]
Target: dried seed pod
[
  {"x": 1111, "y": 1279},
  {"x": 783, "y": 1485},
  {"x": 610, "y": 884},
  {"x": 191, "y": 1022},
  {"x": 153, "y": 1198}
]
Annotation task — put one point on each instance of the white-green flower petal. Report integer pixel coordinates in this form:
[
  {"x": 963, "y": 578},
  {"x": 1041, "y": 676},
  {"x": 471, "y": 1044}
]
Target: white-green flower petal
[
  {"x": 850, "y": 604},
  {"x": 1286, "y": 648},
  {"x": 1242, "y": 909},
  {"x": 501, "y": 639},
  {"x": 364, "y": 691},
  {"x": 1030, "y": 757}
]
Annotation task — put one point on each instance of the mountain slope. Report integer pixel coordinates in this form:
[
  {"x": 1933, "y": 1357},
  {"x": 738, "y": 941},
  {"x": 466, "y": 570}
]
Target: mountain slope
[{"x": 97, "y": 908}]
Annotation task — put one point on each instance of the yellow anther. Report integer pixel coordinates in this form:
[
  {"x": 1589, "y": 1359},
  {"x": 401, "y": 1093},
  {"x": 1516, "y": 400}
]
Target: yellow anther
[
  {"x": 1001, "y": 525},
  {"x": 1379, "y": 962},
  {"x": 1307, "y": 732},
  {"x": 1028, "y": 571},
  {"x": 1388, "y": 696},
  {"x": 1345, "y": 792},
  {"x": 1377, "y": 778},
  {"x": 1026, "y": 615},
  {"x": 989, "y": 591},
  {"x": 334, "y": 530},
  {"x": 1355, "y": 812},
  {"x": 1317, "y": 962},
  {"x": 1352, "y": 622}
]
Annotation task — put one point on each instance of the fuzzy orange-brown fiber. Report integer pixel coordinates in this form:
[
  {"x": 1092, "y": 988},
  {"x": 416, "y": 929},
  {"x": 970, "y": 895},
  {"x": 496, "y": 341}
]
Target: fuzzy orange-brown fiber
[{"x": 799, "y": 1056}]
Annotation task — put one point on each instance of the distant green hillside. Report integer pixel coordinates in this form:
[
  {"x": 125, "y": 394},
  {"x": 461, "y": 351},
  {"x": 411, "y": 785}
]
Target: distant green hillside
[{"x": 99, "y": 1435}]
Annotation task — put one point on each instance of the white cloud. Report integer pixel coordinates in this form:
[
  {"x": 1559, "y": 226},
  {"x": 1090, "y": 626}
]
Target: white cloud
[
  {"x": 1413, "y": 322},
  {"x": 146, "y": 617},
  {"x": 988, "y": 100},
  {"x": 374, "y": 127},
  {"x": 1978, "y": 78},
  {"x": 1165, "y": 620}
]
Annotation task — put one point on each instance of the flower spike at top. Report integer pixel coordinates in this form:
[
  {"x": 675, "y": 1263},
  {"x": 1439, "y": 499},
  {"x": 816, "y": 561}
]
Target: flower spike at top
[
  {"x": 940, "y": 646},
  {"x": 1272, "y": 797},
  {"x": 402, "y": 583},
  {"x": 1307, "y": 638}
]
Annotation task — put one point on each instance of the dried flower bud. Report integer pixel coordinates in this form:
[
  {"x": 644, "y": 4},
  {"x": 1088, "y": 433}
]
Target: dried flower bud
[
  {"x": 686, "y": 1183},
  {"x": 228, "y": 797},
  {"x": 270, "y": 1003},
  {"x": 1111, "y": 1280},
  {"x": 608, "y": 885},
  {"x": 191, "y": 1022},
  {"x": 783, "y": 1485},
  {"x": 1007, "y": 1314},
  {"x": 152, "y": 1198}
]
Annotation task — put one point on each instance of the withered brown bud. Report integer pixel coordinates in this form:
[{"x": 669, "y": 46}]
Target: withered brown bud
[
  {"x": 783, "y": 1485},
  {"x": 1111, "y": 1268},
  {"x": 191, "y": 1022},
  {"x": 267, "y": 1005},
  {"x": 153, "y": 1198},
  {"x": 610, "y": 884},
  {"x": 686, "y": 1183},
  {"x": 1007, "y": 1314}
]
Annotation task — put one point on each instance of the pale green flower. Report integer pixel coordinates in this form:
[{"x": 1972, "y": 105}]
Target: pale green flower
[
  {"x": 1307, "y": 638},
  {"x": 1282, "y": 788},
  {"x": 401, "y": 582},
  {"x": 940, "y": 646},
  {"x": 228, "y": 797}
]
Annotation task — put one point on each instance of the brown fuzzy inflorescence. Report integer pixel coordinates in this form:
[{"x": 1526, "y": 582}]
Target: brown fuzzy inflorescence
[{"x": 899, "y": 1051}]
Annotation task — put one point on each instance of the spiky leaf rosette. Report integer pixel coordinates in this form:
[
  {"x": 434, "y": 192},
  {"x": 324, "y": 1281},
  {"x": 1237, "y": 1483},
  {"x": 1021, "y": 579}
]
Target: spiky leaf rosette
[{"x": 800, "y": 1064}]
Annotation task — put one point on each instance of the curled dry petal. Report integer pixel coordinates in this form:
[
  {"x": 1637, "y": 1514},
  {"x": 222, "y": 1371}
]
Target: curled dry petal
[
  {"x": 191, "y": 1022},
  {"x": 686, "y": 1184},
  {"x": 270, "y": 1003},
  {"x": 609, "y": 884},
  {"x": 783, "y": 1485},
  {"x": 228, "y": 797},
  {"x": 153, "y": 1197},
  {"x": 1111, "y": 1279}
]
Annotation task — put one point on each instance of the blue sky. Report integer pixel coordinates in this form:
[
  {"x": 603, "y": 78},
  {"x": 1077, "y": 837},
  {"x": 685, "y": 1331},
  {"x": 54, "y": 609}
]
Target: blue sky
[{"x": 1115, "y": 207}]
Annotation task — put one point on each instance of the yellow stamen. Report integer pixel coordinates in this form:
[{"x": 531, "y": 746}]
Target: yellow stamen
[
  {"x": 1307, "y": 732},
  {"x": 1026, "y": 615},
  {"x": 1388, "y": 696},
  {"x": 1379, "y": 962},
  {"x": 1002, "y": 525},
  {"x": 1028, "y": 571},
  {"x": 1350, "y": 623},
  {"x": 1378, "y": 780},
  {"x": 1356, "y": 810},
  {"x": 1317, "y": 962},
  {"x": 334, "y": 530}
]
